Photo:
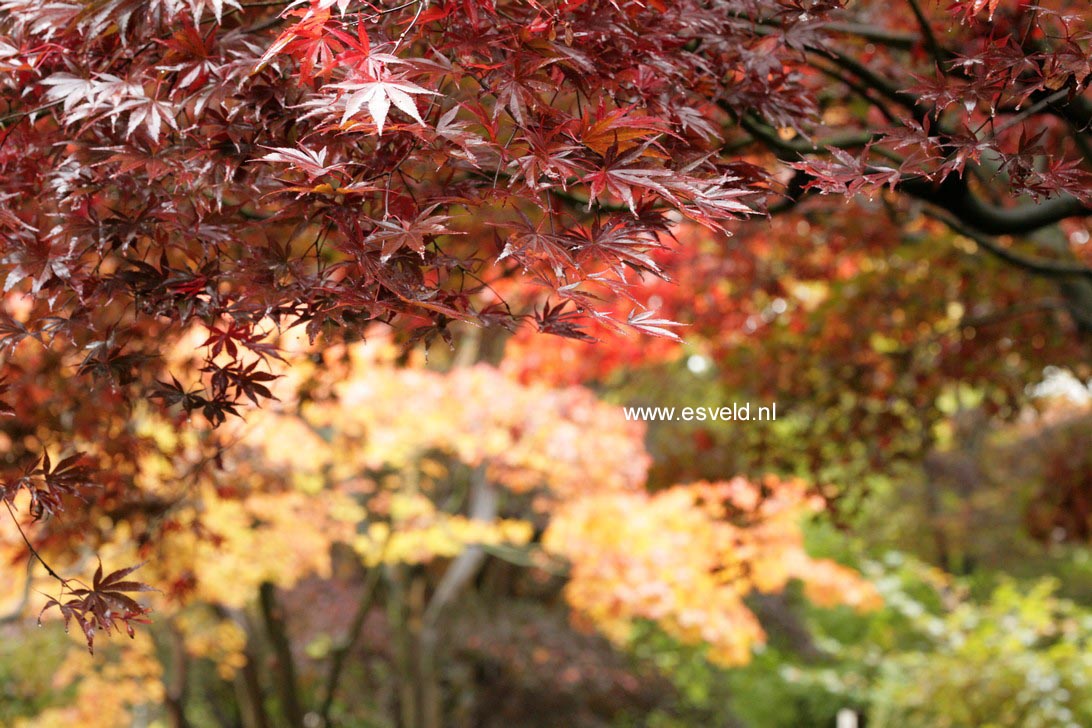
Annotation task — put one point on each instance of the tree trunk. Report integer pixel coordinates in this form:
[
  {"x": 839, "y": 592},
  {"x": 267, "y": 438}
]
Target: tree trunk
[
  {"x": 249, "y": 691},
  {"x": 285, "y": 667},
  {"x": 482, "y": 507},
  {"x": 403, "y": 646},
  {"x": 341, "y": 651},
  {"x": 175, "y": 683}
]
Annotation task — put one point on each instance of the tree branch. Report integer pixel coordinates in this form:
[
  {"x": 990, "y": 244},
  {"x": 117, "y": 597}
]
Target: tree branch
[
  {"x": 861, "y": 90},
  {"x": 482, "y": 507},
  {"x": 890, "y": 38},
  {"x": 794, "y": 149},
  {"x": 881, "y": 84},
  {"x": 927, "y": 32},
  {"x": 248, "y": 687},
  {"x": 1038, "y": 266},
  {"x": 955, "y": 196}
]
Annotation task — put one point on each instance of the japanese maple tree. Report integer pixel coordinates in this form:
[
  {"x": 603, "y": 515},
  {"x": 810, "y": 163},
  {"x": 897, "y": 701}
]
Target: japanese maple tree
[{"x": 248, "y": 166}]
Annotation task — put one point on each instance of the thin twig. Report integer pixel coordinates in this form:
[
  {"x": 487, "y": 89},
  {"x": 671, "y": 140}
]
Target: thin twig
[
  {"x": 1031, "y": 110},
  {"x": 33, "y": 551},
  {"x": 420, "y": 6}
]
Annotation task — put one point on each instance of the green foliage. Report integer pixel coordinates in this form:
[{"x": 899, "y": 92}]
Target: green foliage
[
  {"x": 936, "y": 657},
  {"x": 28, "y": 660},
  {"x": 1022, "y": 658},
  {"x": 933, "y": 657}
]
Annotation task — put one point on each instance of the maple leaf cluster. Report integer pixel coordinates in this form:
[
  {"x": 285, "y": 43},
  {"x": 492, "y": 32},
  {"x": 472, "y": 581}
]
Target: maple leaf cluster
[
  {"x": 104, "y": 606},
  {"x": 333, "y": 164},
  {"x": 403, "y": 161},
  {"x": 396, "y": 158}
]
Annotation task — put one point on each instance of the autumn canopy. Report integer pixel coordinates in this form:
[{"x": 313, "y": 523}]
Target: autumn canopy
[{"x": 338, "y": 299}]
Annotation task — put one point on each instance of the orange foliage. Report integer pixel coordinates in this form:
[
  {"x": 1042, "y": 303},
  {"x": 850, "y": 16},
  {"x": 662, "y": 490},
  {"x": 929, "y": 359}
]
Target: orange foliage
[{"x": 685, "y": 558}]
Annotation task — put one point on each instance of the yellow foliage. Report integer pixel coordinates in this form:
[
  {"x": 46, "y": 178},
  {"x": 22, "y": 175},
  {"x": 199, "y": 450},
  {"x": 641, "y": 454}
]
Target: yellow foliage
[
  {"x": 269, "y": 536},
  {"x": 424, "y": 533},
  {"x": 109, "y": 687},
  {"x": 528, "y": 436},
  {"x": 211, "y": 637}
]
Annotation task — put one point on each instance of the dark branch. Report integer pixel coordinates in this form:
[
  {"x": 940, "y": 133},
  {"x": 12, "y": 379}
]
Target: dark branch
[
  {"x": 927, "y": 31},
  {"x": 890, "y": 38},
  {"x": 1038, "y": 266},
  {"x": 955, "y": 196}
]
